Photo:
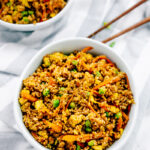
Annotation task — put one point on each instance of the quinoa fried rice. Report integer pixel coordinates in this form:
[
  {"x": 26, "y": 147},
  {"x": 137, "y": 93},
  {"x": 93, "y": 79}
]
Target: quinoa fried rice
[
  {"x": 76, "y": 101},
  {"x": 29, "y": 11}
]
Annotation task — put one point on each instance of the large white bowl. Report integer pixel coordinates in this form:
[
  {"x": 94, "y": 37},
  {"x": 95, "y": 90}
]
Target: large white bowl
[
  {"x": 53, "y": 23},
  {"x": 68, "y": 46}
]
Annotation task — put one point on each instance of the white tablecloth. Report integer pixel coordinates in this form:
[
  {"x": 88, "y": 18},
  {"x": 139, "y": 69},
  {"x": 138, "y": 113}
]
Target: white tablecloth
[{"x": 17, "y": 48}]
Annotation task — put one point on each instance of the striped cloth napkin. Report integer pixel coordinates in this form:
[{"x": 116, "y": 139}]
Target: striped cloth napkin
[{"x": 17, "y": 48}]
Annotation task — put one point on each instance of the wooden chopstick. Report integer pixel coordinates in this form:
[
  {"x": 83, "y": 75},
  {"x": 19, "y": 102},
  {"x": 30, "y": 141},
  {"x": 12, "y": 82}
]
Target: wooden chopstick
[
  {"x": 118, "y": 17},
  {"x": 146, "y": 20}
]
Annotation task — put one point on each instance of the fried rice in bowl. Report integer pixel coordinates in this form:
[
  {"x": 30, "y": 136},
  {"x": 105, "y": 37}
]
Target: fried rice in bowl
[
  {"x": 76, "y": 94},
  {"x": 29, "y": 15}
]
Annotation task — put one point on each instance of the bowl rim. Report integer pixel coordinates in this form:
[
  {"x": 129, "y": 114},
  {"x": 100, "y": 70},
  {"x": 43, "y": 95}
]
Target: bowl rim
[
  {"x": 117, "y": 144},
  {"x": 29, "y": 27}
]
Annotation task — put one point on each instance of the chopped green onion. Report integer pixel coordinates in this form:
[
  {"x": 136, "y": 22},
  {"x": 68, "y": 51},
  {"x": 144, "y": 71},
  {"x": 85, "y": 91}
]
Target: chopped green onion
[
  {"x": 98, "y": 73},
  {"x": 102, "y": 90},
  {"x": 60, "y": 95},
  {"x": 88, "y": 129},
  {"x": 108, "y": 27},
  {"x": 88, "y": 93},
  {"x": 62, "y": 89},
  {"x": 30, "y": 12},
  {"x": 118, "y": 115},
  {"x": 91, "y": 143},
  {"x": 112, "y": 44},
  {"x": 24, "y": 13},
  {"x": 25, "y": 19},
  {"x": 107, "y": 114},
  {"x": 75, "y": 62},
  {"x": 46, "y": 92},
  {"x": 74, "y": 70},
  {"x": 72, "y": 105},
  {"x": 78, "y": 147},
  {"x": 56, "y": 103},
  {"x": 9, "y": 4},
  {"x": 116, "y": 71}
]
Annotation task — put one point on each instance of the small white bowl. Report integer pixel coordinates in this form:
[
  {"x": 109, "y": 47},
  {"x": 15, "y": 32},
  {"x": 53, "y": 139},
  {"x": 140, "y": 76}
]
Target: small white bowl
[
  {"x": 68, "y": 46},
  {"x": 54, "y": 23}
]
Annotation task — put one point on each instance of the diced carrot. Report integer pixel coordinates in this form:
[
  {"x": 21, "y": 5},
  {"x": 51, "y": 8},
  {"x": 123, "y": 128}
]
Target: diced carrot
[
  {"x": 26, "y": 95},
  {"x": 55, "y": 127},
  {"x": 120, "y": 123},
  {"x": 109, "y": 81},
  {"x": 52, "y": 82}
]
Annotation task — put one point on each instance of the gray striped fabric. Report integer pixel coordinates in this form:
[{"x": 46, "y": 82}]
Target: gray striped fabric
[{"x": 17, "y": 48}]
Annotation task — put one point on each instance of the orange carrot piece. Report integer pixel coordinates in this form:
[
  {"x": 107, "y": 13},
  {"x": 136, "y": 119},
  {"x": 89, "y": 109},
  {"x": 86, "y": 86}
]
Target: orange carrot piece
[
  {"x": 86, "y": 49},
  {"x": 55, "y": 127},
  {"x": 103, "y": 57},
  {"x": 90, "y": 107},
  {"x": 52, "y": 81},
  {"x": 120, "y": 123},
  {"x": 109, "y": 81},
  {"x": 28, "y": 96},
  {"x": 125, "y": 116},
  {"x": 69, "y": 102},
  {"x": 127, "y": 80},
  {"x": 34, "y": 135},
  {"x": 85, "y": 137}
]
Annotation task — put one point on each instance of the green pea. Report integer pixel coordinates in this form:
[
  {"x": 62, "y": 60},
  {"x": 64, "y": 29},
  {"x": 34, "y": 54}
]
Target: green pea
[
  {"x": 72, "y": 105},
  {"x": 88, "y": 129},
  {"x": 62, "y": 89},
  {"x": 78, "y": 147},
  {"x": 46, "y": 92},
  {"x": 30, "y": 12},
  {"x": 91, "y": 143},
  {"x": 118, "y": 115},
  {"x": 75, "y": 62},
  {"x": 102, "y": 90},
  {"x": 25, "y": 19},
  {"x": 88, "y": 123},
  {"x": 98, "y": 73},
  {"x": 56, "y": 103},
  {"x": 107, "y": 114},
  {"x": 24, "y": 13}
]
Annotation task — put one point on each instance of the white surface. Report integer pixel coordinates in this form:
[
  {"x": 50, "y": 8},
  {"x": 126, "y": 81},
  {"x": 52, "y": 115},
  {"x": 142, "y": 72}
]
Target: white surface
[{"x": 85, "y": 17}]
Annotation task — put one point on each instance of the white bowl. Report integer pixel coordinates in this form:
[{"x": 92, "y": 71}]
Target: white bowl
[
  {"x": 68, "y": 46},
  {"x": 54, "y": 23}
]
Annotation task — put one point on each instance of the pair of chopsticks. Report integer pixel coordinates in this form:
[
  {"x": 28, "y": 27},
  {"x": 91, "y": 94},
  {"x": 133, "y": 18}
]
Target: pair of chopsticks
[{"x": 144, "y": 21}]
